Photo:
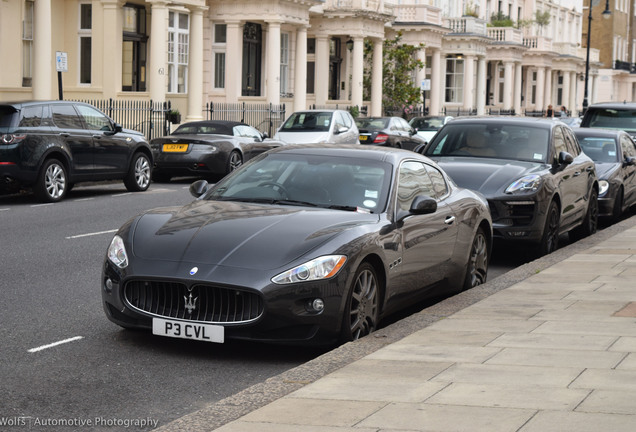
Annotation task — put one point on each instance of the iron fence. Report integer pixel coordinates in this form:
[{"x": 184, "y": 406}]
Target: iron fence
[
  {"x": 265, "y": 117},
  {"x": 147, "y": 117}
]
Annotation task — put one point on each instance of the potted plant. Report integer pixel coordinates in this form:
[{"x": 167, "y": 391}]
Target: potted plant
[{"x": 174, "y": 116}]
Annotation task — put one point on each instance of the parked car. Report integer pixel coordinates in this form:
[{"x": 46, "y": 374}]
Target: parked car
[
  {"x": 388, "y": 131},
  {"x": 48, "y": 146},
  {"x": 611, "y": 115},
  {"x": 573, "y": 122},
  {"x": 614, "y": 153},
  {"x": 310, "y": 244},
  {"x": 209, "y": 149},
  {"x": 538, "y": 182},
  {"x": 319, "y": 127},
  {"x": 428, "y": 126}
]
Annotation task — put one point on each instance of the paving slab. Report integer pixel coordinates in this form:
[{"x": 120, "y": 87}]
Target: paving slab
[
  {"x": 557, "y": 358},
  {"x": 606, "y": 379},
  {"x": 555, "y": 421},
  {"x": 555, "y": 341},
  {"x": 523, "y": 376},
  {"x": 609, "y": 402}
]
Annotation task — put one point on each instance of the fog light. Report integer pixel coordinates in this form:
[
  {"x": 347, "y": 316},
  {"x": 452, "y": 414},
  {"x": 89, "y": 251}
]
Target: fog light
[
  {"x": 318, "y": 305},
  {"x": 108, "y": 286}
]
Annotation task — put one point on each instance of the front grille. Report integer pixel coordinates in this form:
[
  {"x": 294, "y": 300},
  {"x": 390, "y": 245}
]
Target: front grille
[
  {"x": 206, "y": 303},
  {"x": 510, "y": 213}
]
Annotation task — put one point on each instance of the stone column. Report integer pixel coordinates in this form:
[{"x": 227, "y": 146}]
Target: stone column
[
  {"x": 481, "y": 86},
  {"x": 420, "y": 74},
  {"x": 508, "y": 85},
  {"x": 321, "y": 88},
  {"x": 273, "y": 62},
  {"x": 233, "y": 61},
  {"x": 437, "y": 83},
  {"x": 469, "y": 81},
  {"x": 548, "y": 88},
  {"x": 111, "y": 64},
  {"x": 195, "y": 66},
  {"x": 158, "y": 72},
  {"x": 517, "y": 90},
  {"x": 300, "y": 70},
  {"x": 376, "y": 79},
  {"x": 540, "y": 89},
  {"x": 565, "y": 92},
  {"x": 357, "y": 71},
  {"x": 571, "y": 106},
  {"x": 43, "y": 55}
]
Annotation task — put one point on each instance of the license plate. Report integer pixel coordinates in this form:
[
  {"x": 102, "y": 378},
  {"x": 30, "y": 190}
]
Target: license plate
[
  {"x": 175, "y": 148},
  {"x": 363, "y": 137},
  {"x": 188, "y": 330}
]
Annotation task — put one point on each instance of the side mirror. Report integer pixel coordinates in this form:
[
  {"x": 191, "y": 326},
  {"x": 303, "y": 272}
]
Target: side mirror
[
  {"x": 565, "y": 158},
  {"x": 116, "y": 129},
  {"x": 198, "y": 188},
  {"x": 421, "y": 205},
  {"x": 264, "y": 135},
  {"x": 341, "y": 129},
  {"x": 630, "y": 160}
]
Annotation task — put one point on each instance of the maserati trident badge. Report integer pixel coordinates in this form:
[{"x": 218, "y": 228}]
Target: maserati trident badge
[{"x": 190, "y": 303}]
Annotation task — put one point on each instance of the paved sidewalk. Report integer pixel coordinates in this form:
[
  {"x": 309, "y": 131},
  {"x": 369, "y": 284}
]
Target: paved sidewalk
[{"x": 552, "y": 350}]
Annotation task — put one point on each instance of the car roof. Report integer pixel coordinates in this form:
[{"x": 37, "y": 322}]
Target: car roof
[
  {"x": 614, "y": 105},
  {"x": 378, "y": 153},
  {"x": 19, "y": 104},
  {"x": 226, "y": 123},
  {"x": 537, "y": 122}
]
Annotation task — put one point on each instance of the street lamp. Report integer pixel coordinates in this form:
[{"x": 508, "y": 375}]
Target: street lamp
[{"x": 606, "y": 14}]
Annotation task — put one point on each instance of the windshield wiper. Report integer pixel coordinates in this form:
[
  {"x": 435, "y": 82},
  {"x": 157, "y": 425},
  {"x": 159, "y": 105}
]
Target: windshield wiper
[{"x": 343, "y": 207}]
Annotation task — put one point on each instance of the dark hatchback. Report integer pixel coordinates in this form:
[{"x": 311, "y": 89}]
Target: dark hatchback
[
  {"x": 304, "y": 244},
  {"x": 614, "y": 153},
  {"x": 50, "y": 145},
  {"x": 538, "y": 182},
  {"x": 388, "y": 132}
]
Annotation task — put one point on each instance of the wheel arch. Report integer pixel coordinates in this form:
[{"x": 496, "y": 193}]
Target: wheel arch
[{"x": 378, "y": 265}]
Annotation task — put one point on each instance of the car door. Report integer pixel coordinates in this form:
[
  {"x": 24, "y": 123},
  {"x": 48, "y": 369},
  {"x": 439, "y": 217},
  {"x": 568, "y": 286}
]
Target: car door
[
  {"x": 571, "y": 179},
  {"x": 112, "y": 151},
  {"x": 77, "y": 140},
  {"x": 252, "y": 143},
  {"x": 628, "y": 149},
  {"x": 427, "y": 240}
]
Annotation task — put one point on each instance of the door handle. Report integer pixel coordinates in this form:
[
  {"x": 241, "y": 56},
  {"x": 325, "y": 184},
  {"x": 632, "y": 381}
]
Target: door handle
[
  {"x": 449, "y": 220},
  {"x": 65, "y": 134},
  {"x": 578, "y": 173}
]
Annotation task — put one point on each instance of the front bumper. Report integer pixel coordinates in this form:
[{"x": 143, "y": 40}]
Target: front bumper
[{"x": 517, "y": 219}]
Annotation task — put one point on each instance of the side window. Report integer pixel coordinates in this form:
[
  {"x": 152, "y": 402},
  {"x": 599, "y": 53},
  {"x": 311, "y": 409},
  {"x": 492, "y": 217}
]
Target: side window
[
  {"x": 31, "y": 116},
  {"x": 338, "y": 119},
  {"x": 628, "y": 146},
  {"x": 571, "y": 143},
  {"x": 246, "y": 131},
  {"x": 406, "y": 127},
  {"x": 439, "y": 183},
  {"x": 348, "y": 120},
  {"x": 65, "y": 117},
  {"x": 413, "y": 181},
  {"x": 94, "y": 119},
  {"x": 559, "y": 143}
]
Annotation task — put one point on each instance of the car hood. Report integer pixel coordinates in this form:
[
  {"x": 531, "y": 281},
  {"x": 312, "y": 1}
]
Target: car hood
[
  {"x": 132, "y": 132},
  {"x": 303, "y": 137},
  {"x": 235, "y": 234},
  {"x": 488, "y": 176}
]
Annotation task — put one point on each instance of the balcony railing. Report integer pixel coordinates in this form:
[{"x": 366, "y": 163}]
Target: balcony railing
[
  {"x": 538, "y": 43},
  {"x": 566, "y": 48},
  {"x": 505, "y": 34},
  {"x": 419, "y": 13},
  {"x": 466, "y": 25},
  {"x": 623, "y": 65},
  {"x": 366, "y": 5}
]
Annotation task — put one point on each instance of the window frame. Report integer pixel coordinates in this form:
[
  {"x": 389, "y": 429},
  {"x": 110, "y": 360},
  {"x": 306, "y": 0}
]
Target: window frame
[{"x": 178, "y": 52}]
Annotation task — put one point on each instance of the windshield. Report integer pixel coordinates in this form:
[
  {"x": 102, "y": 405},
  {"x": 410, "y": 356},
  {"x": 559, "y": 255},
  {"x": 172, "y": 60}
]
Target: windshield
[
  {"x": 203, "y": 128},
  {"x": 308, "y": 122},
  {"x": 492, "y": 140},
  {"x": 599, "y": 149},
  {"x": 309, "y": 180},
  {"x": 611, "y": 119},
  {"x": 372, "y": 123},
  {"x": 427, "y": 123}
]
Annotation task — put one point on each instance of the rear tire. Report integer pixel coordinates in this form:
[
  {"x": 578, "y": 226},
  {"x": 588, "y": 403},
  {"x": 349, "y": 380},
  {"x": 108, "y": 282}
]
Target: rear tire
[
  {"x": 477, "y": 268},
  {"x": 590, "y": 221},
  {"x": 617, "y": 211},
  {"x": 361, "y": 311},
  {"x": 234, "y": 161},
  {"x": 52, "y": 183},
  {"x": 138, "y": 177}
]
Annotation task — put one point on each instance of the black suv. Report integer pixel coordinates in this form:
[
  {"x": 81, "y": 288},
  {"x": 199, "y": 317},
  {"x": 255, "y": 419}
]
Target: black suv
[
  {"x": 51, "y": 145},
  {"x": 611, "y": 115}
]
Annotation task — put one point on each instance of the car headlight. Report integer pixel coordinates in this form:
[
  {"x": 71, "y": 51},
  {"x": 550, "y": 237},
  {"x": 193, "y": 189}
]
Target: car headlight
[
  {"x": 529, "y": 183},
  {"x": 117, "y": 252},
  {"x": 603, "y": 187},
  {"x": 320, "y": 268}
]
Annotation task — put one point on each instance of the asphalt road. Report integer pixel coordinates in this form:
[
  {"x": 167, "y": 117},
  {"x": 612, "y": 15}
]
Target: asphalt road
[{"x": 98, "y": 376}]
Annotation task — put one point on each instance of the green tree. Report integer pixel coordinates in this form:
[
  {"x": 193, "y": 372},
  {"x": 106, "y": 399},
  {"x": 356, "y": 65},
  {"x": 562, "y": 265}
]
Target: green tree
[
  {"x": 399, "y": 63},
  {"x": 542, "y": 19}
]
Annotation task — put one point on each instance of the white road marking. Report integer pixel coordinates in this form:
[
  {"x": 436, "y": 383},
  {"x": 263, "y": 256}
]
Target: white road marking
[
  {"x": 4, "y": 209},
  {"x": 42, "y": 205},
  {"x": 83, "y": 199},
  {"x": 91, "y": 234},
  {"x": 122, "y": 194},
  {"x": 43, "y": 347}
]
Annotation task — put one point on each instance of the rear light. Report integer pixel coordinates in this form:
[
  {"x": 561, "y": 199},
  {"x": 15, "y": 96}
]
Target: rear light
[
  {"x": 11, "y": 138},
  {"x": 381, "y": 138}
]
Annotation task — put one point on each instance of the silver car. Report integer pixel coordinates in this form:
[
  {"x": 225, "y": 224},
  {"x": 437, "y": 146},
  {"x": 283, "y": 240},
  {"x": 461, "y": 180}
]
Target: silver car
[{"x": 319, "y": 127}]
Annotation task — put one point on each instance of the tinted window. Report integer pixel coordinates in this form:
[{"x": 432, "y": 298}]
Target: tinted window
[
  {"x": 65, "y": 117},
  {"x": 246, "y": 131},
  {"x": 571, "y": 143},
  {"x": 599, "y": 149},
  {"x": 308, "y": 122},
  {"x": 610, "y": 118},
  {"x": 629, "y": 149},
  {"x": 7, "y": 116},
  {"x": 31, "y": 116},
  {"x": 413, "y": 181},
  {"x": 372, "y": 123},
  {"x": 94, "y": 119},
  {"x": 439, "y": 183},
  {"x": 559, "y": 143}
]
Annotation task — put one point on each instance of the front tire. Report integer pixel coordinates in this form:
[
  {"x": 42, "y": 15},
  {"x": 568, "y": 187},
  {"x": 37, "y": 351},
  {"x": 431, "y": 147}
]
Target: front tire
[
  {"x": 362, "y": 308},
  {"x": 590, "y": 221},
  {"x": 52, "y": 183},
  {"x": 477, "y": 268},
  {"x": 138, "y": 177},
  {"x": 550, "y": 237}
]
